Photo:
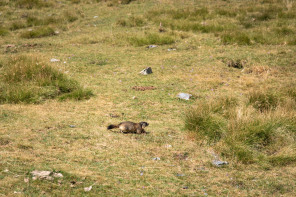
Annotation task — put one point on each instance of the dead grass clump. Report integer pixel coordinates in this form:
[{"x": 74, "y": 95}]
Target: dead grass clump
[
  {"x": 263, "y": 101},
  {"x": 28, "y": 80},
  {"x": 238, "y": 63},
  {"x": 258, "y": 70}
]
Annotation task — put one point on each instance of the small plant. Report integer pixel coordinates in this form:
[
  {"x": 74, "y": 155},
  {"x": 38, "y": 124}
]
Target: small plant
[
  {"x": 38, "y": 33},
  {"x": 263, "y": 101}
]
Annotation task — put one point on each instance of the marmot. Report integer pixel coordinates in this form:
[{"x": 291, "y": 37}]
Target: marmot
[{"x": 130, "y": 127}]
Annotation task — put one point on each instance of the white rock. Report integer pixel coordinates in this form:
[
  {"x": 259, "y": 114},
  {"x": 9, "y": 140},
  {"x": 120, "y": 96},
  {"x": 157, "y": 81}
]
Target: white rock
[
  {"x": 184, "y": 96},
  {"x": 57, "y": 175},
  {"x": 87, "y": 189},
  {"x": 54, "y": 60}
]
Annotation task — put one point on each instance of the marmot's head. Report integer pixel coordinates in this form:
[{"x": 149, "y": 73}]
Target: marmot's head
[{"x": 144, "y": 124}]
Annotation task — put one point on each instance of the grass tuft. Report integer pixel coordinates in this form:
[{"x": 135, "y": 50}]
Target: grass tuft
[
  {"x": 38, "y": 33},
  {"x": 263, "y": 101},
  {"x": 151, "y": 38},
  {"x": 3, "y": 31},
  {"x": 239, "y": 38},
  {"x": 241, "y": 133},
  {"x": 27, "y": 80}
]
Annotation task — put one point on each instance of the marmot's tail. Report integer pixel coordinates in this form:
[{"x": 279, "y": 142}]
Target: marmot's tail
[{"x": 112, "y": 126}]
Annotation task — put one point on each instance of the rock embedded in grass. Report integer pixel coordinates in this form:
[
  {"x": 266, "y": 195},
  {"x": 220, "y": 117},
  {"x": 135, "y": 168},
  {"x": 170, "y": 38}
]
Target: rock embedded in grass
[
  {"x": 219, "y": 163},
  {"x": 184, "y": 96},
  {"x": 146, "y": 71}
]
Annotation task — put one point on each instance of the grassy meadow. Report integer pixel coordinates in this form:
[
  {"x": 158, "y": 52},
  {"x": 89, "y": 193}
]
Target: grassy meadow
[{"x": 69, "y": 68}]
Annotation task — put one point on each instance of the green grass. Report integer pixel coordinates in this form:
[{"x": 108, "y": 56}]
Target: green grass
[
  {"x": 151, "y": 38},
  {"x": 27, "y": 80},
  {"x": 38, "y": 33},
  {"x": 253, "y": 138},
  {"x": 242, "y": 110}
]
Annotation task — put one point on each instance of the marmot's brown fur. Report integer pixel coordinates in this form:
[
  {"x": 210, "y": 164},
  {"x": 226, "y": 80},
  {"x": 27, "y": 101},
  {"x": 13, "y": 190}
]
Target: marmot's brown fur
[{"x": 130, "y": 127}]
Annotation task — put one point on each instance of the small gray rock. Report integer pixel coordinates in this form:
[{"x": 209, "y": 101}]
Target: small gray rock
[
  {"x": 156, "y": 159},
  {"x": 151, "y": 46},
  {"x": 184, "y": 96},
  {"x": 146, "y": 71},
  {"x": 219, "y": 163}
]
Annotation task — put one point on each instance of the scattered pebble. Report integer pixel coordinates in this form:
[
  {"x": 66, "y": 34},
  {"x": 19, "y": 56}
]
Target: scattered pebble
[
  {"x": 134, "y": 97},
  {"x": 26, "y": 180},
  {"x": 180, "y": 175},
  {"x": 219, "y": 163},
  {"x": 168, "y": 146},
  {"x": 172, "y": 49},
  {"x": 72, "y": 126},
  {"x": 87, "y": 189},
  {"x": 151, "y": 46},
  {"x": 156, "y": 159},
  {"x": 54, "y": 60},
  {"x": 185, "y": 187},
  {"x": 95, "y": 16},
  {"x": 184, "y": 96}
]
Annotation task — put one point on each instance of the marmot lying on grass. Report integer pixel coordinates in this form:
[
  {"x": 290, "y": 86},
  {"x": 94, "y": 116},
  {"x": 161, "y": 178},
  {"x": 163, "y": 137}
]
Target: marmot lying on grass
[{"x": 130, "y": 127}]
